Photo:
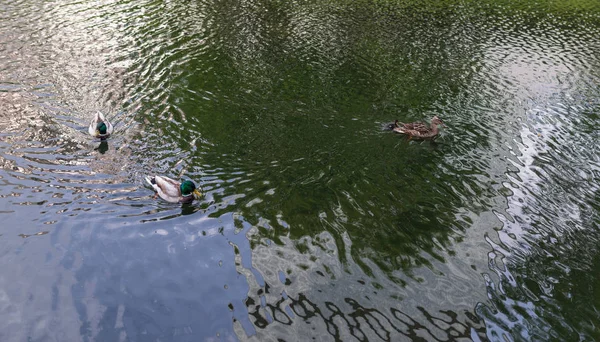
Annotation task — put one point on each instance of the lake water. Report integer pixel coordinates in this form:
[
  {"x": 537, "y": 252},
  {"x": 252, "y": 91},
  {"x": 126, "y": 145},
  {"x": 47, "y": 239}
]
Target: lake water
[{"x": 316, "y": 223}]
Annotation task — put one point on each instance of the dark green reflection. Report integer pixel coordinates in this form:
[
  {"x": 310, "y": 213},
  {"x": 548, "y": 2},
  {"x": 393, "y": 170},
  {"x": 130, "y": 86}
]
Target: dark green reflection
[
  {"x": 282, "y": 103},
  {"x": 298, "y": 100}
]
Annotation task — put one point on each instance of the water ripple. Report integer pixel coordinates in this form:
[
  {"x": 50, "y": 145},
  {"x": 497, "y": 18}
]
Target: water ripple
[{"x": 312, "y": 217}]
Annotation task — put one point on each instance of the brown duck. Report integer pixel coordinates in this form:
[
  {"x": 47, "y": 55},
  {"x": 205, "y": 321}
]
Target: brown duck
[{"x": 419, "y": 130}]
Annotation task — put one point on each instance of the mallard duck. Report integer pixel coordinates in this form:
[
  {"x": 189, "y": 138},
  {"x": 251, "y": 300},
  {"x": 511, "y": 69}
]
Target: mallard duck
[
  {"x": 172, "y": 191},
  {"x": 419, "y": 130},
  {"x": 100, "y": 127}
]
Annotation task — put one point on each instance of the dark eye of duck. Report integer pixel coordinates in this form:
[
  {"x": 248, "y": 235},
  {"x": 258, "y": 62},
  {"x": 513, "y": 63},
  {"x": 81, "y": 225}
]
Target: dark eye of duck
[
  {"x": 187, "y": 187},
  {"x": 101, "y": 127}
]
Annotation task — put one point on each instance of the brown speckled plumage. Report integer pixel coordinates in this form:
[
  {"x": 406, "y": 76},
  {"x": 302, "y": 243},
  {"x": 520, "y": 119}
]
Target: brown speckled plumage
[{"x": 419, "y": 130}]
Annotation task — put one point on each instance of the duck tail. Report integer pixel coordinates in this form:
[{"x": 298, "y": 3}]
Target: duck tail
[{"x": 151, "y": 180}]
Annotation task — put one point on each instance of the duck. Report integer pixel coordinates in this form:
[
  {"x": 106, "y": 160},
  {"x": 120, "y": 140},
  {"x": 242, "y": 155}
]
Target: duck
[
  {"x": 100, "y": 127},
  {"x": 419, "y": 130},
  {"x": 173, "y": 191}
]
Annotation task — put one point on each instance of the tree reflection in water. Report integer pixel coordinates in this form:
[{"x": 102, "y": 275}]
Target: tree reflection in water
[{"x": 365, "y": 323}]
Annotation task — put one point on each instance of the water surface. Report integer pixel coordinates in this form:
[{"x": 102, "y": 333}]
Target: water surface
[{"x": 316, "y": 223}]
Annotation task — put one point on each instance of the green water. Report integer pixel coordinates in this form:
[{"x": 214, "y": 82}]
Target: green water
[{"x": 316, "y": 222}]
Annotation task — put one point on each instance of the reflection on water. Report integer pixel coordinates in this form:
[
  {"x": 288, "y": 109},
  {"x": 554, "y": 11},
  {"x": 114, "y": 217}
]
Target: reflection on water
[
  {"x": 551, "y": 213},
  {"x": 316, "y": 223},
  {"x": 103, "y": 147}
]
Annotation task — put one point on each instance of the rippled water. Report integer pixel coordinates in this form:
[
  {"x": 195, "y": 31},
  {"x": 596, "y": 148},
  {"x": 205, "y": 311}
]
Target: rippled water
[{"x": 316, "y": 223}]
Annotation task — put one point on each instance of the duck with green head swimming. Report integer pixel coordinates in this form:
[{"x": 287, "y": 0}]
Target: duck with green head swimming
[
  {"x": 100, "y": 127},
  {"x": 173, "y": 191}
]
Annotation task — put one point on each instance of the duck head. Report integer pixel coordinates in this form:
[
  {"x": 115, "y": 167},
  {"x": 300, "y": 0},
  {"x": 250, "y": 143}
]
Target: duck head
[
  {"x": 437, "y": 121},
  {"x": 188, "y": 188},
  {"x": 101, "y": 128}
]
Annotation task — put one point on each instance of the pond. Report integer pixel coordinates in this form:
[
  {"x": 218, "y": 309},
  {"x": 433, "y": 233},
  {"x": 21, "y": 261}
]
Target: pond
[{"x": 316, "y": 223}]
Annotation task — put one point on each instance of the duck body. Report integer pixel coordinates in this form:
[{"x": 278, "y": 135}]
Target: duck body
[
  {"x": 100, "y": 127},
  {"x": 173, "y": 191},
  {"x": 419, "y": 130}
]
